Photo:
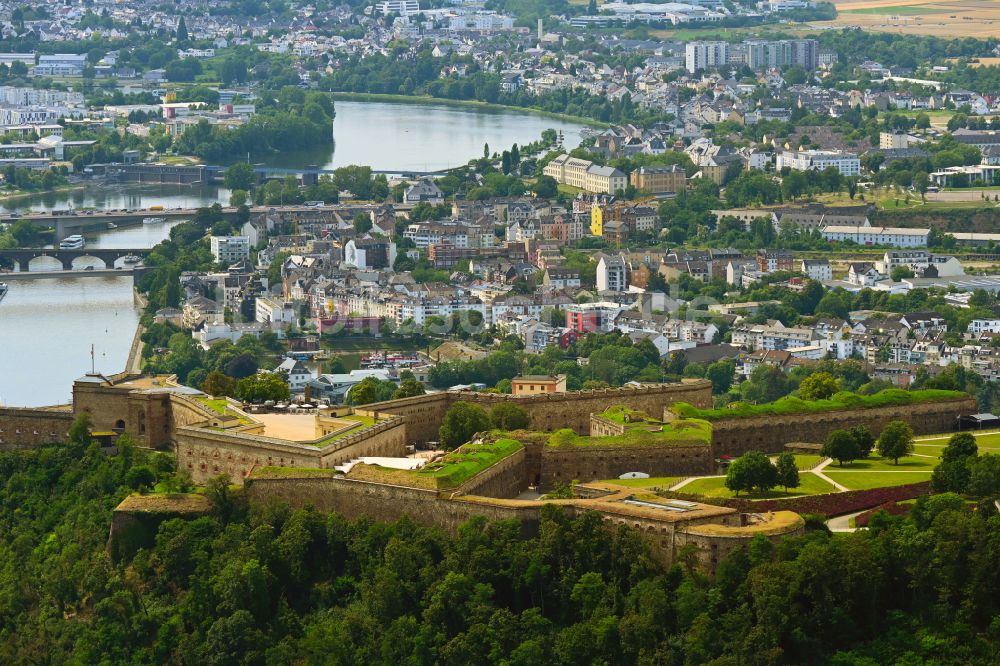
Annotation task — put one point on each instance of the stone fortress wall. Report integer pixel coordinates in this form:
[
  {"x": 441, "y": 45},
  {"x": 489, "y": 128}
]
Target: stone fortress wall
[
  {"x": 769, "y": 433},
  {"x": 713, "y": 531},
  {"x": 208, "y": 443},
  {"x": 423, "y": 414},
  {"x": 22, "y": 428}
]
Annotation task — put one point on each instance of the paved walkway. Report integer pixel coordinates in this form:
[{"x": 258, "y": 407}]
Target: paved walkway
[
  {"x": 818, "y": 471},
  {"x": 678, "y": 486},
  {"x": 843, "y": 523}
]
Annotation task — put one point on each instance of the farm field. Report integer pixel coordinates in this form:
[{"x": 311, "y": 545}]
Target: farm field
[{"x": 945, "y": 18}]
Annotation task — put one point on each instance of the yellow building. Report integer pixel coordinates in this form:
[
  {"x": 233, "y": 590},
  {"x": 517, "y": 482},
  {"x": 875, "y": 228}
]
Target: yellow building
[
  {"x": 538, "y": 384},
  {"x": 597, "y": 220}
]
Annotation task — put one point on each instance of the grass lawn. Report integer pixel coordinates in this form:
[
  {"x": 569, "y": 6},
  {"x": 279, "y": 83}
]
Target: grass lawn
[
  {"x": 867, "y": 480},
  {"x": 568, "y": 189},
  {"x": 985, "y": 439},
  {"x": 464, "y": 463},
  {"x": 928, "y": 450},
  {"x": 715, "y": 487},
  {"x": 652, "y": 482},
  {"x": 807, "y": 460},
  {"x": 876, "y": 464}
]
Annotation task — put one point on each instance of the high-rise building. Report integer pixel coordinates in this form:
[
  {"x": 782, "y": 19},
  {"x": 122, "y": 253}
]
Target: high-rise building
[
  {"x": 705, "y": 55},
  {"x": 764, "y": 54}
]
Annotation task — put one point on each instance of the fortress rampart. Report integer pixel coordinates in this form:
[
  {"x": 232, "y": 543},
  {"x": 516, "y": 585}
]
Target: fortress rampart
[
  {"x": 22, "y": 428},
  {"x": 712, "y": 530},
  {"x": 553, "y": 411},
  {"x": 562, "y": 465},
  {"x": 206, "y": 452},
  {"x": 769, "y": 433}
]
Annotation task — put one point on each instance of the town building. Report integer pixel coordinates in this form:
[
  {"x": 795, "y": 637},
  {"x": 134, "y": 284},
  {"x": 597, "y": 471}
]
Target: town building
[
  {"x": 612, "y": 273},
  {"x": 538, "y": 384},
  {"x": 700, "y": 56},
  {"x": 816, "y": 269},
  {"x": 891, "y": 236},
  {"x": 658, "y": 180},
  {"x": 297, "y": 373},
  {"x": 230, "y": 249},
  {"x": 846, "y": 163}
]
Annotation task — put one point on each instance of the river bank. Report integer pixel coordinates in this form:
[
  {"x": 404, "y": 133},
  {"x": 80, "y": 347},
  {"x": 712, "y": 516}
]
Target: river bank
[
  {"x": 470, "y": 103},
  {"x": 55, "y": 190}
]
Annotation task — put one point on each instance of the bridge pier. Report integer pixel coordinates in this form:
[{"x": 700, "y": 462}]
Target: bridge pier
[{"x": 23, "y": 265}]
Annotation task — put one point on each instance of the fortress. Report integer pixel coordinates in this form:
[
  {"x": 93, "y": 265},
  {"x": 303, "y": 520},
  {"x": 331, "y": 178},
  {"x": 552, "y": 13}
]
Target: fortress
[{"x": 329, "y": 460}]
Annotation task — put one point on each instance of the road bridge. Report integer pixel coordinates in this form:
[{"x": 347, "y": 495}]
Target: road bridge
[
  {"x": 67, "y": 222},
  {"x": 23, "y": 257}
]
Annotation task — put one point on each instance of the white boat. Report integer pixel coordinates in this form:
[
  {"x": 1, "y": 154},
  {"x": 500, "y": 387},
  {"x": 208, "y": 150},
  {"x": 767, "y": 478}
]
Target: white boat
[
  {"x": 112, "y": 225},
  {"x": 3, "y": 290},
  {"x": 74, "y": 242},
  {"x": 153, "y": 220}
]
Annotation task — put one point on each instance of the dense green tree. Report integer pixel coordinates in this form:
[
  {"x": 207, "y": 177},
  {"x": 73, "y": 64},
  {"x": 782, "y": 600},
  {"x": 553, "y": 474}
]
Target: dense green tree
[
  {"x": 461, "y": 422},
  {"x": 722, "y": 374},
  {"x": 508, "y": 416},
  {"x": 788, "y": 472},
  {"x": 239, "y": 176},
  {"x": 752, "y": 470},
  {"x": 408, "y": 388},
  {"x": 262, "y": 387},
  {"x": 863, "y": 439},
  {"x": 818, "y": 386},
  {"x": 369, "y": 390},
  {"x": 182, "y": 31},
  {"x": 895, "y": 441},
  {"x": 841, "y": 446},
  {"x": 218, "y": 384}
]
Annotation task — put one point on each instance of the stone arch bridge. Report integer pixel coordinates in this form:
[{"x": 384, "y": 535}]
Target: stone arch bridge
[{"x": 23, "y": 258}]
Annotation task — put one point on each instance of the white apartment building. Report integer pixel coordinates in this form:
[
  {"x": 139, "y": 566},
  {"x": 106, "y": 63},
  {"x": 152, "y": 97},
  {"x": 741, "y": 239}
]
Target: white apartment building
[
  {"x": 980, "y": 326},
  {"x": 612, "y": 274},
  {"x": 892, "y": 236},
  {"x": 705, "y": 55},
  {"x": 816, "y": 269},
  {"x": 230, "y": 249},
  {"x": 401, "y": 7},
  {"x": 273, "y": 310},
  {"x": 919, "y": 261},
  {"x": 846, "y": 163}
]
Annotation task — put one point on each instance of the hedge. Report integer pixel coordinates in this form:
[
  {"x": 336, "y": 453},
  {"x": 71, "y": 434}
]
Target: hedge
[{"x": 839, "y": 401}]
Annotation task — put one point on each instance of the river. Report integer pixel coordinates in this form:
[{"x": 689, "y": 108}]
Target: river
[
  {"x": 48, "y": 325},
  {"x": 423, "y": 137}
]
